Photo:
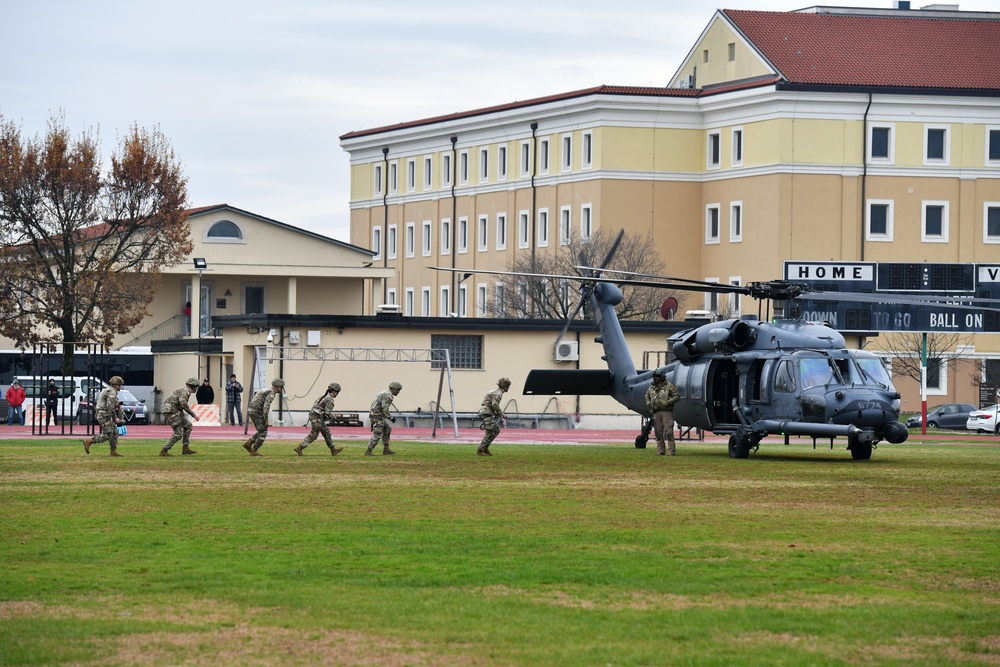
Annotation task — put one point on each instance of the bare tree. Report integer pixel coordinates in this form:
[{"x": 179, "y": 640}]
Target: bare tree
[
  {"x": 942, "y": 349},
  {"x": 554, "y": 298},
  {"x": 81, "y": 251}
]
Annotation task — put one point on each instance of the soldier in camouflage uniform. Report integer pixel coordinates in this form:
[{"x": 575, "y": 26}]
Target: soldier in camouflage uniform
[
  {"x": 109, "y": 415},
  {"x": 492, "y": 414},
  {"x": 660, "y": 399},
  {"x": 381, "y": 419},
  {"x": 174, "y": 410},
  {"x": 258, "y": 412},
  {"x": 319, "y": 415}
]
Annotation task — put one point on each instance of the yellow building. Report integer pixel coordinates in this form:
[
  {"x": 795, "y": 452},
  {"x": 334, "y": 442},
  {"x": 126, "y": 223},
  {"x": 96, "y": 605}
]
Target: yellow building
[{"x": 827, "y": 134}]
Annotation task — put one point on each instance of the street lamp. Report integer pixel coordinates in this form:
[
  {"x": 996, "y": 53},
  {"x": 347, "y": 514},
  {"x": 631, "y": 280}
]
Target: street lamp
[{"x": 200, "y": 263}]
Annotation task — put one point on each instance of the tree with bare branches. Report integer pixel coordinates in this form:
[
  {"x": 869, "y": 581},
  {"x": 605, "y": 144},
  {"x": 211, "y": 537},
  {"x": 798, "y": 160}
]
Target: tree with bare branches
[
  {"x": 81, "y": 251},
  {"x": 554, "y": 298},
  {"x": 942, "y": 349}
]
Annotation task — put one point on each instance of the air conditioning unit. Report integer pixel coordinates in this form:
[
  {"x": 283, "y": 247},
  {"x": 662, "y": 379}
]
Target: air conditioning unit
[{"x": 567, "y": 350}]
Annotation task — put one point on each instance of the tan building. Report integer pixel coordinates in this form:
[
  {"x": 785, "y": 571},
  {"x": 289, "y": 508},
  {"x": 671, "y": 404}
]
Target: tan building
[{"x": 827, "y": 134}]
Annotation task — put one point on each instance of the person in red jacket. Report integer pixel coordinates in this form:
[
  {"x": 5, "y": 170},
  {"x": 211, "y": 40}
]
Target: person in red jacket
[{"x": 15, "y": 399}]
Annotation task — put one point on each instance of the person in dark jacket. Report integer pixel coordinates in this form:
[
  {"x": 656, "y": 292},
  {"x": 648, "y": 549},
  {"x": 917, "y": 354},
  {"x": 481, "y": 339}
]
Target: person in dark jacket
[
  {"x": 51, "y": 402},
  {"x": 205, "y": 394}
]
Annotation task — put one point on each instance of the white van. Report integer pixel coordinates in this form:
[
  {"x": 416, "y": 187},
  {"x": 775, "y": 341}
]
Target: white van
[{"x": 72, "y": 391}]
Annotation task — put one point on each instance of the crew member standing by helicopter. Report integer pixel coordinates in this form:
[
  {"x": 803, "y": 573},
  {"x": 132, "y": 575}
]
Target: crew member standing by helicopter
[
  {"x": 660, "y": 399},
  {"x": 491, "y": 413}
]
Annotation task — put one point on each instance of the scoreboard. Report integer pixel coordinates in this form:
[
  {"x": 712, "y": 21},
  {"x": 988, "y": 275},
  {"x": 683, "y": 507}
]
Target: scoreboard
[{"x": 956, "y": 282}]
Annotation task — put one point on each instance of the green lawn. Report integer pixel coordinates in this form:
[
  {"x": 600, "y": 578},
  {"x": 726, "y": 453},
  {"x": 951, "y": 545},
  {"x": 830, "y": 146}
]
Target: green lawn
[{"x": 541, "y": 555}]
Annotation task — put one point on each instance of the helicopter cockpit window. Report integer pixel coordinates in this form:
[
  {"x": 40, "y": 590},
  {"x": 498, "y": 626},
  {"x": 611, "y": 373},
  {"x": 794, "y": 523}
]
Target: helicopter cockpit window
[
  {"x": 816, "y": 372},
  {"x": 874, "y": 370},
  {"x": 784, "y": 377}
]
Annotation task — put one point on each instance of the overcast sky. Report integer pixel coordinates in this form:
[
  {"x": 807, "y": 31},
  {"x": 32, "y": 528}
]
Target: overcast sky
[{"x": 253, "y": 95}]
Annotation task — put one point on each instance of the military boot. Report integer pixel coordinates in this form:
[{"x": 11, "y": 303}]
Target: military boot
[
  {"x": 188, "y": 450},
  {"x": 386, "y": 451},
  {"x": 87, "y": 443},
  {"x": 298, "y": 450},
  {"x": 483, "y": 452},
  {"x": 114, "y": 452},
  {"x": 248, "y": 445},
  {"x": 335, "y": 450},
  {"x": 368, "y": 452},
  {"x": 254, "y": 452},
  {"x": 165, "y": 452},
  {"x": 672, "y": 450}
]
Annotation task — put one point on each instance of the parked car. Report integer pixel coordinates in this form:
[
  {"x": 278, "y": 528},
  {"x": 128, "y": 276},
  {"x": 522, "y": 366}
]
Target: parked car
[
  {"x": 984, "y": 420},
  {"x": 135, "y": 410},
  {"x": 949, "y": 415}
]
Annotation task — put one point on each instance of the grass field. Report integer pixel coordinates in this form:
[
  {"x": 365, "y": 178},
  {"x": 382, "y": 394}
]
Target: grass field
[{"x": 541, "y": 555}]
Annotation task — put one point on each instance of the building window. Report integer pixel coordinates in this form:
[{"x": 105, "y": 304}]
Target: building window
[
  {"x": 377, "y": 242},
  {"x": 464, "y": 352},
  {"x": 880, "y": 144},
  {"x": 482, "y": 233},
  {"x": 991, "y": 222},
  {"x": 500, "y": 294},
  {"x": 446, "y": 236},
  {"x": 463, "y": 301},
  {"x": 588, "y": 150},
  {"x": 377, "y": 180},
  {"x": 224, "y": 231},
  {"x": 936, "y": 145},
  {"x": 737, "y": 146},
  {"x": 732, "y": 51},
  {"x": 391, "y": 242},
  {"x": 501, "y": 231},
  {"x": 502, "y": 163},
  {"x": 446, "y": 169},
  {"x": 428, "y": 172},
  {"x": 934, "y": 226},
  {"x": 543, "y": 156},
  {"x": 426, "y": 241},
  {"x": 525, "y": 158},
  {"x": 567, "y": 152},
  {"x": 463, "y": 168},
  {"x": 393, "y": 178},
  {"x": 463, "y": 235},
  {"x": 408, "y": 302},
  {"x": 390, "y": 296},
  {"x": 586, "y": 222},
  {"x": 484, "y": 165},
  {"x": 993, "y": 145},
  {"x": 445, "y": 305},
  {"x": 704, "y": 56},
  {"x": 735, "y": 303},
  {"x": 425, "y": 301},
  {"x": 411, "y": 175},
  {"x": 712, "y": 224},
  {"x": 409, "y": 239},
  {"x": 523, "y": 230},
  {"x": 481, "y": 295},
  {"x": 712, "y": 298},
  {"x": 736, "y": 222},
  {"x": 565, "y": 225},
  {"x": 879, "y": 224},
  {"x": 714, "y": 149},
  {"x": 937, "y": 376},
  {"x": 543, "y": 227}
]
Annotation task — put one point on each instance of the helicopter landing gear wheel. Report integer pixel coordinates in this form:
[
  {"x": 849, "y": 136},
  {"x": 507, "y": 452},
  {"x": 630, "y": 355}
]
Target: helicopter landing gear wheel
[
  {"x": 739, "y": 447},
  {"x": 860, "y": 451},
  {"x": 641, "y": 440}
]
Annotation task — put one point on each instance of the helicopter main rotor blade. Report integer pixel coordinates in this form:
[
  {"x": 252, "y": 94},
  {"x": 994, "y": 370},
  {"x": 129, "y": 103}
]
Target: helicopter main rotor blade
[
  {"x": 585, "y": 292},
  {"x": 636, "y": 274},
  {"x": 967, "y": 303}
]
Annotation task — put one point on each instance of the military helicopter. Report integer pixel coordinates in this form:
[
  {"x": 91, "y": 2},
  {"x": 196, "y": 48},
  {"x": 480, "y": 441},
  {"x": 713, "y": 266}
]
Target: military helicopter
[{"x": 745, "y": 377}]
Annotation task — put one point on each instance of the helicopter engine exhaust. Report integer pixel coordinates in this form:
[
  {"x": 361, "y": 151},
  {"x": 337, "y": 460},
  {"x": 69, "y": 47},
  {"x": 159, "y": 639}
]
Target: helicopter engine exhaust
[{"x": 733, "y": 335}]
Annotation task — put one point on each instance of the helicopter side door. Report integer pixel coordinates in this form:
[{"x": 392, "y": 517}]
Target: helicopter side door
[
  {"x": 786, "y": 390},
  {"x": 723, "y": 390}
]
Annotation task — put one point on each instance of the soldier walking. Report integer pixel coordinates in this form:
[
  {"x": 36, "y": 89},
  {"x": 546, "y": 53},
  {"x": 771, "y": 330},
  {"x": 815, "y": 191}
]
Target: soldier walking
[
  {"x": 492, "y": 415},
  {"x": 175, "y": 412},
  {"x": 109, "y": 415},
  {"x": 660, "y": 399},
  {"x": 258, "y": 412},
  {"x": 381, "y": 419},
  {"x": 320, "y": 414}
]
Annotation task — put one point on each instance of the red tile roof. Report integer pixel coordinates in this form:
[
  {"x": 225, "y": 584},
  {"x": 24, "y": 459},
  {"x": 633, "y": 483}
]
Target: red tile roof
[{"x": 833, "y": 49}]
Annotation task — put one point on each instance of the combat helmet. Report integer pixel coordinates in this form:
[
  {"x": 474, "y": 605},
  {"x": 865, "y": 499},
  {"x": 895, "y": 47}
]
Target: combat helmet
[
  {"x": 277, "y": 382},
  {"x": 333, "y": 386},
  {"x": 192, "y": 382},
  {"x": 503, "y": 383},
  {"x": 396, "y": 386},
  {"x": 116, "y": 381}
]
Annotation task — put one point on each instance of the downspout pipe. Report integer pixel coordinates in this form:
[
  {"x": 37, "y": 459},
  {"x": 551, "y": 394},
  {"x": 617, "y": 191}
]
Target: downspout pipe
[
  {"x": 864, "y": 174},
  {"x": 385, "y": 221},
  {"x": 454, "y": 226},
  {"x": 534, "y": 205}
]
